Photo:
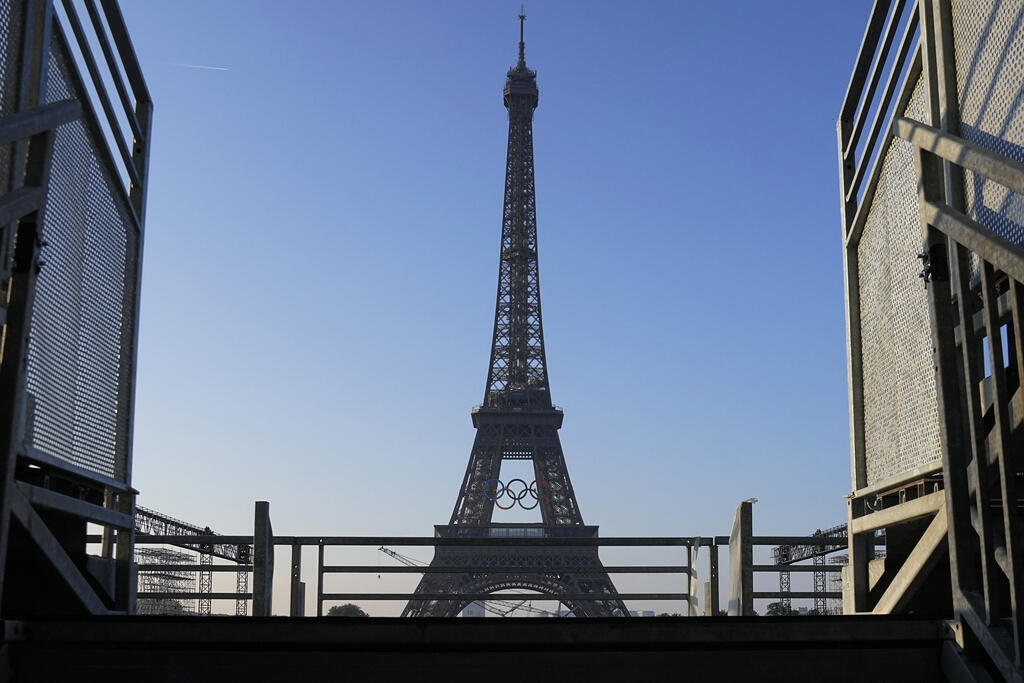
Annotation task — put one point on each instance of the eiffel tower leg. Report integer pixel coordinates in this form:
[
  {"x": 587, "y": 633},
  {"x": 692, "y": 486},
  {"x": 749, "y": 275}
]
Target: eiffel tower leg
[{"x": 472, "y": 506}]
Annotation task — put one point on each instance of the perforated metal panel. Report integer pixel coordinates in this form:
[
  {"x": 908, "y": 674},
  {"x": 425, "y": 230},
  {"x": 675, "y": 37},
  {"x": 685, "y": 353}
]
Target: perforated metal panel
[
  {"x": 82, "y": 323},
  {"x": 10, "y": 41},
  {"x": 901, "y": 426},
  {"x": 988, "y": 38}
]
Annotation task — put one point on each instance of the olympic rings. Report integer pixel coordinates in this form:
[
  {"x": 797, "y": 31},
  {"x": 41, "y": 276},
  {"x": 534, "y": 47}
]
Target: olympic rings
[
  {"x": 498, "y": 492},
  {"x": 538, "y": 489}
]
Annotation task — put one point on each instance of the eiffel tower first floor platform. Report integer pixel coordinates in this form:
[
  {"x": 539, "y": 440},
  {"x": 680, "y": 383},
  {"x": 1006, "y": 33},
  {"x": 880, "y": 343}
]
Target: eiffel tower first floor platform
[
  {"x": 554, "y": 567},
  {"x": 762, "y": 649}
]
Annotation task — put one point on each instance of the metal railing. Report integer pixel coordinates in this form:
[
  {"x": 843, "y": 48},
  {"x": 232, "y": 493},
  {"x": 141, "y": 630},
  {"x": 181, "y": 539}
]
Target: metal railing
[
  {"x": 264, "y": 542},
  {"x": 742, "y": 568}
]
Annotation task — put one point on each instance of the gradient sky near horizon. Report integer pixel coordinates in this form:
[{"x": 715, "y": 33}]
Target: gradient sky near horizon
[{"x": 321, "y": 257}]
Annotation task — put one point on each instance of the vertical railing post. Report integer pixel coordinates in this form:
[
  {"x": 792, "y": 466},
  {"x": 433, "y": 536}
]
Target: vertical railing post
[
  {"x": 741, "y": 562},
  {"x": 693, "y": 588},
  {"x": 711, "y": 601},
  {"x": 320, "y": 580},
  {"x": 263, "y": 561},
  {"x": 124, "y": 555},
  {"x": 296, "y": 589},
  {"x": 691, "y": 598}
]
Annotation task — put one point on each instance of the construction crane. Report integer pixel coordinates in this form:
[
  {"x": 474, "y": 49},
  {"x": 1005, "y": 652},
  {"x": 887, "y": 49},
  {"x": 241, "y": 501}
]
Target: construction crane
[{"x": 502, "y": 608}]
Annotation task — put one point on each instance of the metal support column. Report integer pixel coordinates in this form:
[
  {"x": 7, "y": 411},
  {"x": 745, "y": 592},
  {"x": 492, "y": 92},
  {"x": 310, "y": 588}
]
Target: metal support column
[
  {"x": 297, "y": 592},
  {"x": 713, "y": 578},
  {"x": 320, "y": 580}
]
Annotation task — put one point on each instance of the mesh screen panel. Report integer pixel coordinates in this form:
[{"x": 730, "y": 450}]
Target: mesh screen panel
[
  {"x": 80, "y": 355},
  {"x": 988, "y": 39},
  {"x": 10, "y": 41},
  {"x": 901, "y": 425}
]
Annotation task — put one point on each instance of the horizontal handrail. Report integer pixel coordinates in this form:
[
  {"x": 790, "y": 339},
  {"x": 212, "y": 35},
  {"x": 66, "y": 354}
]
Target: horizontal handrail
[
  {"x": 187, "y": 595},
  {"x": 331, "y": 597},
  {"x": 864, "y": 57},
  {"x": 613, "y": 541},
  {"x": 101, "y": 93},
  {"x": 389, "y": 569},
  {"x": 888, "y": 35},
  {"x": 797, "y": 568},
  {"x": 195, "y": 567},
  {"x": 888, "y": 92},
  {"x": 797, "y": 594},
  {"x": 799, "y": 540},
  {"x": 112, "y": 65},
  {"x": 652, "y": 541}
]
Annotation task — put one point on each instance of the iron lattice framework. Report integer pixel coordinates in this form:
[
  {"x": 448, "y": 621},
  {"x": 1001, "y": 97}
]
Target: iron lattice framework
[
  {"x": 517, "y": 420},
  {"x": 155, "y": 523}
]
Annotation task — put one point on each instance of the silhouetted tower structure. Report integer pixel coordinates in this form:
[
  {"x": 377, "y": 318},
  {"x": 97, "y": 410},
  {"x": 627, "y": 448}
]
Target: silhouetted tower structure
[{"x": 517, "y": 421}]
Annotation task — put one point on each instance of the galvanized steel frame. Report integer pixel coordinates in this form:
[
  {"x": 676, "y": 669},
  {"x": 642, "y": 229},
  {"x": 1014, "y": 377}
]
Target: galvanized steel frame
[
  {"x": 27, "y": 475},
  {"x": 971, "y": 500}
]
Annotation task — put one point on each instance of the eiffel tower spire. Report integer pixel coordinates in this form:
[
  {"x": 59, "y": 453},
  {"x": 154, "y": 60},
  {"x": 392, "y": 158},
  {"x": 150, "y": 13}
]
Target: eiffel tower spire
[
  {"x": 517, "y": 421},
  {"x": 522, "y": 44},
  {"x": 518, "y": 376}
]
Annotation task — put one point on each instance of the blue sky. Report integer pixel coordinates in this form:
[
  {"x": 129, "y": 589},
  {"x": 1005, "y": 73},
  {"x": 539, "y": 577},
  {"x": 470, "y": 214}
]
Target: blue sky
[{"x": 321, "y": 257}]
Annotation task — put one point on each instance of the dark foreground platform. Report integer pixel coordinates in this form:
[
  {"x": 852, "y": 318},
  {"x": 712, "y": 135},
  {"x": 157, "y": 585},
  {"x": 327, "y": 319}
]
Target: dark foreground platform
[{"x": 158, "y": 649}]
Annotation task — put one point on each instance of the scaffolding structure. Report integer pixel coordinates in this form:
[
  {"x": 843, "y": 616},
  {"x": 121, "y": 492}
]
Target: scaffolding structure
[
  {"x": 786, "y": 555},
  {"x": 164, "y": 581},
  {"x": 151, "y": 522}
]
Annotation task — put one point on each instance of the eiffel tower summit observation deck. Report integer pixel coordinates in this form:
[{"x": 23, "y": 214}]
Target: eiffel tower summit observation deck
[{"x": 517, "y": 421}]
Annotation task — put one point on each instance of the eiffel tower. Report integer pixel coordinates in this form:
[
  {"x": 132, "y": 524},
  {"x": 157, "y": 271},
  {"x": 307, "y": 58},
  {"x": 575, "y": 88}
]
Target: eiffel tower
[{"x": 517, "y": 421}]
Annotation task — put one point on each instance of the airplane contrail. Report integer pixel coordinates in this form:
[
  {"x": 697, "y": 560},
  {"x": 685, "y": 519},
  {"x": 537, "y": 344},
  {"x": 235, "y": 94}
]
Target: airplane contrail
[{"x": 199, "y": 66}]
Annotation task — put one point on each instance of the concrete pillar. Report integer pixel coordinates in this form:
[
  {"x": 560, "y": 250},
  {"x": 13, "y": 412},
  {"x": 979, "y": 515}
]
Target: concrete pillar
[
  {"x": 741, "y": 562},
  {"x": 262, "y": 560}
]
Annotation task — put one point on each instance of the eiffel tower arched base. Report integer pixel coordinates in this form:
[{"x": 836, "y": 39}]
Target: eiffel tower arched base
[{"x": 570, "y": 574}]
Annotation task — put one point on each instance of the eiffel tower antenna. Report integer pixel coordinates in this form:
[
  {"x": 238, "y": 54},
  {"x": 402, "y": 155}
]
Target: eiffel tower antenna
[
  {"x": 517, "y": 421},
  {"x": 522, "y": 44}
]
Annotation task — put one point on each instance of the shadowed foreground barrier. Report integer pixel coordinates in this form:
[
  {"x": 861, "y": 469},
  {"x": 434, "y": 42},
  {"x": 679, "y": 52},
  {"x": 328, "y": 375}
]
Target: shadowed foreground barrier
[{"x": 306, "y": 649}]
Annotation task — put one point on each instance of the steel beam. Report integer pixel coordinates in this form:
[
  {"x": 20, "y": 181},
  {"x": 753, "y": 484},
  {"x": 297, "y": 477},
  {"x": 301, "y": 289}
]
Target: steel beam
[
  {"x": 24, "y": 124},
  {"x": 45, "y": 498},
  {"x": 54, "y": 552},
  {"x": 916, "y": 568},
  {"x": 996, "y": 167},
  {"x": 905, "y": 512}
]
